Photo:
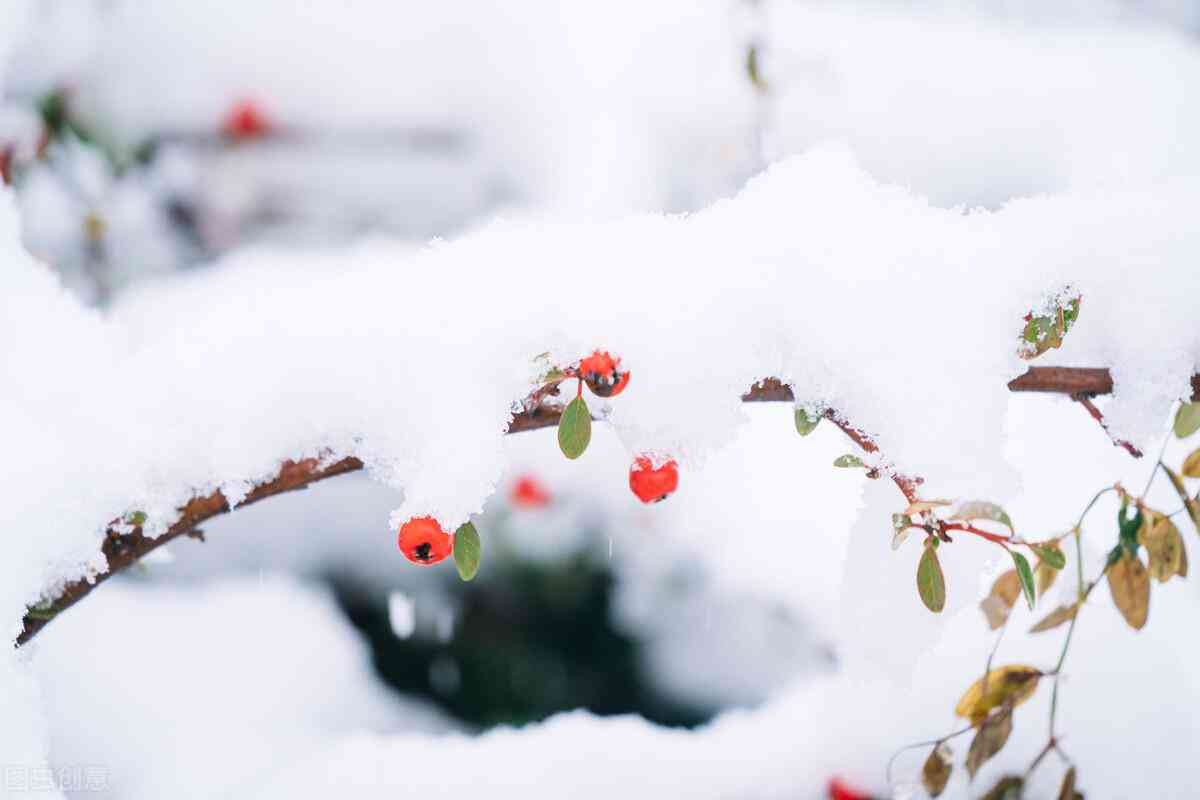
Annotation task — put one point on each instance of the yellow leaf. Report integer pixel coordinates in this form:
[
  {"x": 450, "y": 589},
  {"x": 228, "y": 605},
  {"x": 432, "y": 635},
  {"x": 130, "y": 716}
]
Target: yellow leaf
[
  {"x": 1013, "y": 684},
  {"x": 1192, "y": 506},
  {"x": 989, "y": 739},
  {"x": 999, "y": 602},
  {"x": 1163, "y": 543},
  {"x": 1007, "y": 788},
  {"x": 1129, "y": 583},
  {"x": 1044, "y": 576},
  {"x": 1191, "y": 464},
  {"x": 1067, "y": 790},
  {"x": 936, "y": 772},
  {"x": 1056, "y": 617},
  {"x": 924, "y": 505}
]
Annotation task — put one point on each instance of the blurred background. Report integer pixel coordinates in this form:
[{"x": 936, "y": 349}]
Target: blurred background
[{"x": 148, "y": 141}]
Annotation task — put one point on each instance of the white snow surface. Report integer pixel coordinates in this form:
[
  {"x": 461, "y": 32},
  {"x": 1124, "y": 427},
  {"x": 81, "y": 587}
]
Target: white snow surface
[{"x": 212, "y": 689}]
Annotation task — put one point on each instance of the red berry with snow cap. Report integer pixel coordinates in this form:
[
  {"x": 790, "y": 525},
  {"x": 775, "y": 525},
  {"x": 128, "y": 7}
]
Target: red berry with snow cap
[
  {"x": 603, "y": 374},
  {"x": 653, "y": 485},
  {"x": 423, "y": 541}
]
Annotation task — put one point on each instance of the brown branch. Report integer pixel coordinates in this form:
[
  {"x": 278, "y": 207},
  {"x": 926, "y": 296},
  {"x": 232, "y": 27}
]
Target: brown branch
[
  {"x": 1064, "y": 380},
  {"x": 1085, "y": 381},
  {"x": 123, "y": 547}
]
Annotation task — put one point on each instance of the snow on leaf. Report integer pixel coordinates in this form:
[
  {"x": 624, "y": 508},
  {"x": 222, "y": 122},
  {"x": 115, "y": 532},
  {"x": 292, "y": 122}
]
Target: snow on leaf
[
  {"x": 981, "y": 509},
  {"x": 806, "y": 422}
]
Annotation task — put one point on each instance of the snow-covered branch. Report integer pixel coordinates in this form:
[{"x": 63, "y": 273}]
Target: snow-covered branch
[{"x": 125, "y": 544}]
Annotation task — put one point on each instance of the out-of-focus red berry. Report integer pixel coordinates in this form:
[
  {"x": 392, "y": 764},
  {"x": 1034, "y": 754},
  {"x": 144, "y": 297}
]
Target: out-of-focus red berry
[
  {"x": 840, "y": 790},
  {"x": 423, "y": 541},
  {"x": 653, "y": 485},
  {"x": 603, "y": 374},
  {"x": 246, "y": 121},
  {"x": 6, "y": 158},
  {"x": 528, "y": 492}
]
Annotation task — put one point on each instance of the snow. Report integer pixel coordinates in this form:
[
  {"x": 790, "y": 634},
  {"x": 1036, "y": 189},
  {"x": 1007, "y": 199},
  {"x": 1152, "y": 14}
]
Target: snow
[
  {"x": 215, "y": 379},
  {"x": 263, "y": 673},
  {"x": 938, "y": 177}
]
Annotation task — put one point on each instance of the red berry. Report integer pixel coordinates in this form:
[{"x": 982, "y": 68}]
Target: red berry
[
  {"x": 528, "y": 492},
  {"x": 603, "y": 374},
  {"x": 423, "y": 541},
  {"x": 6, "y": 158},
  {"x": 246, "y": 121},
  {"x": 840, "y": 790},
  {"x": 653, "y": 485}
]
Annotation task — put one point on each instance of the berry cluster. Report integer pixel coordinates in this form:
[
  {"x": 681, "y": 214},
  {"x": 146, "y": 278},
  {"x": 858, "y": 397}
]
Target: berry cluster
[
  {"x": 423, "y": 541},
  {"x": 602, "y": 373}
]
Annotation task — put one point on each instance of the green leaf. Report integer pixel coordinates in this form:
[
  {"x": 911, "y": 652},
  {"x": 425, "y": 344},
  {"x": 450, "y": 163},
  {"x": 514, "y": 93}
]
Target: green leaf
[
  {"x": 1025, "y": 576},
  {"x": 848, "y": 461},
  {"x": 806, "y": 423},
  {"x": 1187, "y": 420},
  {"x": 1128, "y": 528},
  {"x": 931, "y": 584},
  {"x": 136, "y": 518},
  {"x": 467, "y": 551},
  {"x": 1046, "y": 331},
  {"x": 901, "y": 525},
  {"x": 575, "y": 428},
  {"x": 981, "y": 509},
  {"x": 1051, "y": 556}
]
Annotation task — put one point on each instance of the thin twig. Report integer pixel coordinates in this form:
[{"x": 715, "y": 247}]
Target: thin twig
[
  {"x": 915, "y": 745},
  {"x": 1162, "y": 451},
  {"x": 1087, "y": 403}
]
